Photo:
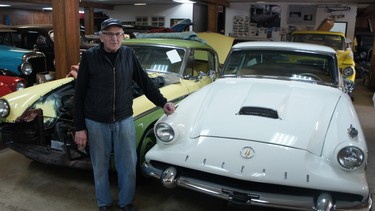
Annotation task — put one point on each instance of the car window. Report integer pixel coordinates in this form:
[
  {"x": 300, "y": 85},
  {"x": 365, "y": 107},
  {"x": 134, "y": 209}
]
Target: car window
[
  {"x": 199, "y": 61},
  {"x": 41, "y": 41},
  {"x": 6, "y": 38},
  {"x": 334, "y": 41},
  {"x": 161, "y": 59},
  {"x": 289, "y": 64},
  {"x": 30, "y": 39}
]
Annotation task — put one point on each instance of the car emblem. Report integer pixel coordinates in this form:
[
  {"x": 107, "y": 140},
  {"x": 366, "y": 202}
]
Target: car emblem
[{"x": 247, "y": 152}]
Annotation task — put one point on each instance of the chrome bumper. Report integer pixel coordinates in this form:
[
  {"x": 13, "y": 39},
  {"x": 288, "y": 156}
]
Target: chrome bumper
[{"x": 170, "y": 179}]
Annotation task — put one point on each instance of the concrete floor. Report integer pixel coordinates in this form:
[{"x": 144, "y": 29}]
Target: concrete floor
[{"x": 29, "y": 186}]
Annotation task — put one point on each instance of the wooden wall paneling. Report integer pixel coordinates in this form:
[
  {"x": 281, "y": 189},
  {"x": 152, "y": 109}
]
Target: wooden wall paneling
[
  {"x": 212, "y": 17},
  {"x": 21, "y": 17},
  {"x": 89, "y": 20},
  {"x": 66, "y": 33}
]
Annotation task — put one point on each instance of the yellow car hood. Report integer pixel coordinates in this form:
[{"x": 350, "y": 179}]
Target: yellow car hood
[{"x": 221, "y": 43}]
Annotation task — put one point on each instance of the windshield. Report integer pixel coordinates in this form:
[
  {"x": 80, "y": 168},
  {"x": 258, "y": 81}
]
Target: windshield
[
  {"x": 334, "y": 41},
  {"x": 160, "y": 59},
  {"x": 286, "y": 64},
  {"x": 365, "y": 40}
]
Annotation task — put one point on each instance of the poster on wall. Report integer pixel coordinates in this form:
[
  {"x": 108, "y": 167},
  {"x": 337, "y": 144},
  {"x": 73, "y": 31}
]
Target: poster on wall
[
  {"x": 173, "y": 21},
  {"x": 301, "y": 14},
  {"x": 267, "y": 16},
  {"x": 264, "y": 20}
]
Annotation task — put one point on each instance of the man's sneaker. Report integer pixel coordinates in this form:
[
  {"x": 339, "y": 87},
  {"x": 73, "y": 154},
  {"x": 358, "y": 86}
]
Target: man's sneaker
[
  {"x": 129, "y": 207},
  {"x": 105, "y": 208}
]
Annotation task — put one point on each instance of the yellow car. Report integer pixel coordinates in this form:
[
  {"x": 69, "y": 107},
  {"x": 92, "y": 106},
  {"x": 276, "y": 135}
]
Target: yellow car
[{"x": 335, "y": 40}]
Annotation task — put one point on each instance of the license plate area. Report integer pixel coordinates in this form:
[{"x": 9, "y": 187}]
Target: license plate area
[{"x": 239, "y": 199}]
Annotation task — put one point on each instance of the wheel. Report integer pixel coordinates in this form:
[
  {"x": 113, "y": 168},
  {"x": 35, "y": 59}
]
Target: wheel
[
  {"x": 147, "y": 142},
  {"x": 366, "y": 80},
  {"x": 311, "y": 75}
]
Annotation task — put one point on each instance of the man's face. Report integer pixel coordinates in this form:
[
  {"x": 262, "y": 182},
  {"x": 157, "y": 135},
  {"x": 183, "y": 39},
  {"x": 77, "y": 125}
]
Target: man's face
[{"x": 112, "y": 38}]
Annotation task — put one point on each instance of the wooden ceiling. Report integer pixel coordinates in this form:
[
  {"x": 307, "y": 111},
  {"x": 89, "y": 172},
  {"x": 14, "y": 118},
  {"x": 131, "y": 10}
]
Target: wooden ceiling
[{"x": 109, "y": 4}]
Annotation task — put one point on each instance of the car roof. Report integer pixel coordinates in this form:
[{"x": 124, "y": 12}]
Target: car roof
[
  {"x": 317, "y": 32},
  {"x": 274, "y": 45}
]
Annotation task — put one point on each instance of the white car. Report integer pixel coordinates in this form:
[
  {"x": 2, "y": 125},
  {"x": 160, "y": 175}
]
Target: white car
[{"x": 277, "y": 129}]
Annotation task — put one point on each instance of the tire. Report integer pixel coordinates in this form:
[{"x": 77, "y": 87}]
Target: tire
[{"x": 147, "y": 142}]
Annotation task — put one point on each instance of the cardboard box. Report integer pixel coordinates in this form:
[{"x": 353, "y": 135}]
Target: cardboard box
[
  {"x": 326, "y": 25},
  {"x": 44, "y": 77}
]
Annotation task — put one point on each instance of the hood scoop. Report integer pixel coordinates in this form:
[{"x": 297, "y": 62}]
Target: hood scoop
[{"x": 259, "y": 111}]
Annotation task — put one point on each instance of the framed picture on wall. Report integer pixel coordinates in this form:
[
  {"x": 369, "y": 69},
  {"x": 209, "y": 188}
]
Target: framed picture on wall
[
  {"x": 141, "y": 20},
  {"x": 301, "y": 15},
  {"x": 158, "y": 21},
  {"x": 173, "y": 21},
  {"x": 340, "y": 27}
]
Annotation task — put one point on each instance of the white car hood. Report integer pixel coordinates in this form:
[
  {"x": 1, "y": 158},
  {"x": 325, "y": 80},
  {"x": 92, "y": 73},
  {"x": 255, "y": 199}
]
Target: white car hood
[{"x": 304, "y": 112}]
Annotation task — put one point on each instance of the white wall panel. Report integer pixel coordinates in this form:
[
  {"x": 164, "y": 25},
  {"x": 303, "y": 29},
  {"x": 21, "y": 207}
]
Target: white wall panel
[{"x": 129, "y": 12}]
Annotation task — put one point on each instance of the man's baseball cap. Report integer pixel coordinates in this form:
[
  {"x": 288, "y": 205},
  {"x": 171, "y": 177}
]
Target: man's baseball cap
[{"x": 110, "y": 22}]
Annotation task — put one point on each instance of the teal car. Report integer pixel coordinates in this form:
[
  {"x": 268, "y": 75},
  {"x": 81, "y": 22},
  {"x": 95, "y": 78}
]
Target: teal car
[
  {"x": 37, "y": 121},
  {"x": 19, "y": 62}
]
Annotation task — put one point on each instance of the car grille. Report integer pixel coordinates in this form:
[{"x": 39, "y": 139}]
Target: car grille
[
  {"x": 25, "y": 132},
  {"x": 39, "y": 63}
]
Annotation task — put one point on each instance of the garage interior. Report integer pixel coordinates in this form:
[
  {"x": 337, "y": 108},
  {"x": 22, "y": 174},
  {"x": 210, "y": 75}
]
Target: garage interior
[
  {"x": 30, "y": 186},
  {"x": 208, "y": 15}
]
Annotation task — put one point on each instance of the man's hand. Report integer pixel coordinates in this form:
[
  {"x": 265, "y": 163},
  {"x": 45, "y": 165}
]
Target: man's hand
[
  {"x": 73, "y": 71},
  {"x": 169, "y": 108},
  {"x": 81, "y": 139}
]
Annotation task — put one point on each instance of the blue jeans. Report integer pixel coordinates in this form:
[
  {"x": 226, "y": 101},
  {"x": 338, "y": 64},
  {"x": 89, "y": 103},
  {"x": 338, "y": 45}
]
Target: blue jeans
[{"x": 101, "y": 138}]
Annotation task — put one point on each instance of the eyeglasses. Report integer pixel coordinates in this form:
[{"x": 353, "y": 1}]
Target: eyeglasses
[{"x": 111, "y": 34}]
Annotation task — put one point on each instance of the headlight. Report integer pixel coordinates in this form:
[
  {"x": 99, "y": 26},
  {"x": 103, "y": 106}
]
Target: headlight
[
  {"x": 348, "y": 71},
  {"x": 20, "y": 85},
  {"x": 164, "y": 132},
  {"x": 350, "y": 157},
  {"x": 26, "y": 68},
  {"x": 4, "y": 108},
  {"x": 363, "y": 54}
]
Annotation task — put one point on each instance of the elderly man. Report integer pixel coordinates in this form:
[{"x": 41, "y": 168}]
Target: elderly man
[{"x": 103, "y": 111}]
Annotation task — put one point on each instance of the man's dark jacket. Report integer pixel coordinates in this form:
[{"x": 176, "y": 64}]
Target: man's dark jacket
[{"x": 103, "y": 91}]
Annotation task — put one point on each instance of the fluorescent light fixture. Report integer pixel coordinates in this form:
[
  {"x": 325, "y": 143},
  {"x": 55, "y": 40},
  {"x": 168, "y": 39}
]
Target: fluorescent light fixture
[
  {"x": 139, "y": 4},
  {"x": 47, "y": 8},
  {"x": 184, "y": 1},
  {"x": 4, "y": 5}
]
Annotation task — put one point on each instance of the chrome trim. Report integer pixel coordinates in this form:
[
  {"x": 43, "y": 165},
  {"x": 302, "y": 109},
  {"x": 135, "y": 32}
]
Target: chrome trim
[
  {"x": 145, "y": 113},
  {"x": 255, "y": 198},
  {"x": 30, "y": 55}
]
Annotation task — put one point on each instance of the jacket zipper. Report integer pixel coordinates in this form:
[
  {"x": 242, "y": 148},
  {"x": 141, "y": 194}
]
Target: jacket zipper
[{"x": 114, "y": 86}]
